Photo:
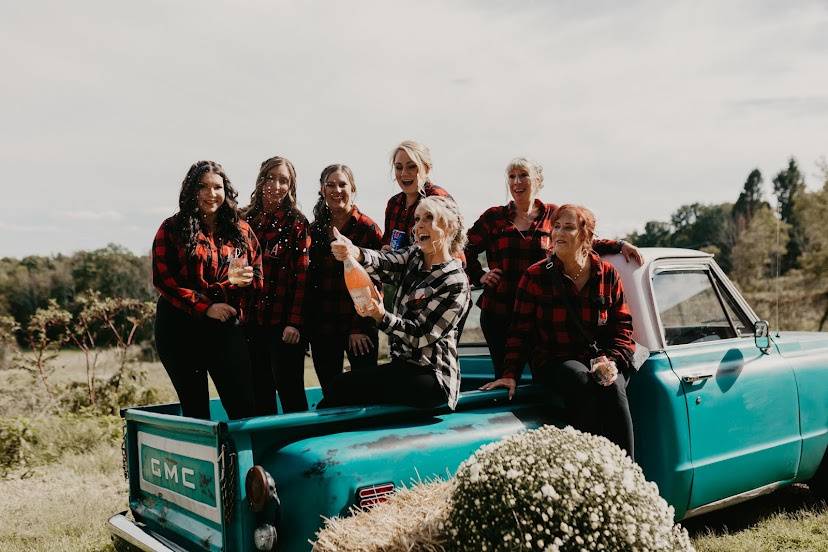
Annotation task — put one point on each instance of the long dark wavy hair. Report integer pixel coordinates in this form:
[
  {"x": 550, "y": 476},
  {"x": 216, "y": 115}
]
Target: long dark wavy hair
[
  {"x": 254, "y": 212},
  {"x": 188, "y": 220},
  {"x": 321, "y": 225}
]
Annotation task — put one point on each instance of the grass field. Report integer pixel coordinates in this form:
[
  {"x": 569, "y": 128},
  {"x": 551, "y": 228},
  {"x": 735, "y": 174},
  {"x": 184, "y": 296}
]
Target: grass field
[{"x": 60, "y": 500}]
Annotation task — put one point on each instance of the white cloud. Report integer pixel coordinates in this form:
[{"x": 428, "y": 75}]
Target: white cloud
[
  {"x": 633, "y": 108},
  {"x": 93, "y": 215}
]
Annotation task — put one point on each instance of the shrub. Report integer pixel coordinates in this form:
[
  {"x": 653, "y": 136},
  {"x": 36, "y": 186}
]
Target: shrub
[
  {"x": 124, "y": 389},
  {"x": 34, "y": 442},
  {"x": 17, "y": 440},
  {"x": 558, "y": 490}
]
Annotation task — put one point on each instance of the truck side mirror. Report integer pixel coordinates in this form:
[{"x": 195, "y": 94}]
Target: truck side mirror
[{"x": 761, "y": 335}]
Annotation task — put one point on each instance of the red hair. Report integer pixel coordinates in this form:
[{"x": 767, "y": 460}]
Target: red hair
[{"x": 585, "y": 218}]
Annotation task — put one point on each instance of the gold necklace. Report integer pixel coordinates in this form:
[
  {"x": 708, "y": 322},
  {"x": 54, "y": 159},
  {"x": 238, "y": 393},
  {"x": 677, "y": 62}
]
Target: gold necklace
[{"x": 580, "y": 271}]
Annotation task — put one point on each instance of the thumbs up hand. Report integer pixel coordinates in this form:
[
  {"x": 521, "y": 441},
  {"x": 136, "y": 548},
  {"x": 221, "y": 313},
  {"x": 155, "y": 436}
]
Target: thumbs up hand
[{"x": 342, "y": 247}]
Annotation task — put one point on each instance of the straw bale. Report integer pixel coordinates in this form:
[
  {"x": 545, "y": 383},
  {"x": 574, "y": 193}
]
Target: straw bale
[{"x": 412, "y": 520}]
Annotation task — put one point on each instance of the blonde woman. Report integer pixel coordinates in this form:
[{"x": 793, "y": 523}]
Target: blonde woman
[
  {"x": 431, "y": 301},
  {"x": 411, "y": 163}
]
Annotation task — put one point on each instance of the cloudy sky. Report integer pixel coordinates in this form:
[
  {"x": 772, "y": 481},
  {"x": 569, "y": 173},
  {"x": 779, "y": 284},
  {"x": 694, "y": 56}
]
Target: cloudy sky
[{"x": 633, "y": 108}]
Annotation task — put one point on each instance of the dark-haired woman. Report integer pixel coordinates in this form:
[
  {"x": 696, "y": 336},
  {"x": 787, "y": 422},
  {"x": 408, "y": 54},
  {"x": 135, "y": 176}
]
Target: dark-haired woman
[
  {"x": 197, "y": 324},
  {"x": 515, "y": 236},
  {"x": 334, "y": 327},
  {"x": 275, "y": 331}
]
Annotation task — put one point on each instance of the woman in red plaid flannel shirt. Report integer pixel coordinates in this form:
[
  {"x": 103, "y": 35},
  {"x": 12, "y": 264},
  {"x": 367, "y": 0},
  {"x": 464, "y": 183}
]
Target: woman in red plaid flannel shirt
[
  {"x": 334, "y": 329},
  {"x": 411, "y": 163},
  {"x": 275, "y": 331},
  {"x": 589, "y": 364},
  {"x": 199, "y": 311},
  {"x": 515, "y": 236}
]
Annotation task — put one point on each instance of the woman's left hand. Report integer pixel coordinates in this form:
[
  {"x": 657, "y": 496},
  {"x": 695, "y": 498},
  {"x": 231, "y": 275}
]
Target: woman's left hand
[
  {"x": 247, "y": 275},
  {"x": 629, "y": 251},
  {"x": 290, "y": 335}
]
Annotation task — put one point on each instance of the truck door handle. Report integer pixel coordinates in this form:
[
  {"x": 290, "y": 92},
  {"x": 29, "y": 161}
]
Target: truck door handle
[{"x": 698, "y": 376}]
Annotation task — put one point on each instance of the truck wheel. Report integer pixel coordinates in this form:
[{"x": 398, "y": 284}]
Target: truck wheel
[
  {"x": 819, "y": 483},
  {"x": 121, "y": 545}
]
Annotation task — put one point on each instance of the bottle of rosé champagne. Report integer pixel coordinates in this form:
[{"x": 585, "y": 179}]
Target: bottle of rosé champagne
[{"x": 358, "y": 283}]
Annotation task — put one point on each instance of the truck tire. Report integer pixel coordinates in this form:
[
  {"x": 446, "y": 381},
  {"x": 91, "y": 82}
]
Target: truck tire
[{"x": 819, "y": 483}]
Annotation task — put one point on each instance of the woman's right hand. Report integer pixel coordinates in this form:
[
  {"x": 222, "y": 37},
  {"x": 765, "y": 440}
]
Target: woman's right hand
[
  {"x": 221, "y": 312},
  {"x": 506, "y": 383},
  {"x": 342, "y": 247},
  {"x": 491, "y": 278}
]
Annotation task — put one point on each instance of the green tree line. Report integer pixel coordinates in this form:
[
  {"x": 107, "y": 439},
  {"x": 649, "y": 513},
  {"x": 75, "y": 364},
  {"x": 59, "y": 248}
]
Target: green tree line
[
  {"x": 772, "y": 252},
  {"x": 30, "y": 283}
]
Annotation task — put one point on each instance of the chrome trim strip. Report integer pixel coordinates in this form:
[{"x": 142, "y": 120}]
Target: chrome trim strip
[
  {"x": 125, "y": 529},
  {"x": 735, "y": 499}
]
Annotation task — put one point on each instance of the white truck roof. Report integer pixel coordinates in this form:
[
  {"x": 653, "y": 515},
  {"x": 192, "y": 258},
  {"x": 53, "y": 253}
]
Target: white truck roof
[{"x": 637, "y": 291}]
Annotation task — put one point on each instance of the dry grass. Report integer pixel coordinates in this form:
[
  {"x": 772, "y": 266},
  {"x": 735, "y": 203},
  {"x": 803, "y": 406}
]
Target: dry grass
[
  {"x": 63, "y": 506},
  {"x": 22, "y": 395},
  {"x": 409, "y": 521}
]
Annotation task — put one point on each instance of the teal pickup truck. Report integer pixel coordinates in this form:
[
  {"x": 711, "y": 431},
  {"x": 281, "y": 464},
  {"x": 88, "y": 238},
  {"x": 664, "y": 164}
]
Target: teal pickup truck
[{"x": 723, "y": 411}]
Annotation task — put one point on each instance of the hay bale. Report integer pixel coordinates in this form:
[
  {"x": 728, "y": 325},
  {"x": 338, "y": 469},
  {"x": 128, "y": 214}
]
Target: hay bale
[{"x": 411, "y": 520}]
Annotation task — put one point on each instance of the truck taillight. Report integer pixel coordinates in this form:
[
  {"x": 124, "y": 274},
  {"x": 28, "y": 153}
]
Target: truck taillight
[
  {"x": 373, "y": 494},
  {"x": 264, "y": 537},
  {"x": 260, "y": 487}
]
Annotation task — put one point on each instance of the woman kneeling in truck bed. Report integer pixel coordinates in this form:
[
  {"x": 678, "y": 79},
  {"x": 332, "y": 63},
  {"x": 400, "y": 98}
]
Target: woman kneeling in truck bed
[{"x": 432, "y": 299}]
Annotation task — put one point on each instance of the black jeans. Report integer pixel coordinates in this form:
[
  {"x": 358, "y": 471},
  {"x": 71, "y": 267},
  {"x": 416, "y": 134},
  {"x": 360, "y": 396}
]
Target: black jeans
[
  {"x": 191, "y": 347},
  {"x": 495, "y": 329},
  {"x": 592, "y": 407},
  {"x": 329, "y": 350},
  {"x": 393, "y": 383},
  {"x": 277, "y": 366}
]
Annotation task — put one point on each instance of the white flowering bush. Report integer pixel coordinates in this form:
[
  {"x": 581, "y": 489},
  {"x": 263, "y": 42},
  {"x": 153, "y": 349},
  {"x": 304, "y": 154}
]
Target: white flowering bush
[{"x": 557, "y": 490}]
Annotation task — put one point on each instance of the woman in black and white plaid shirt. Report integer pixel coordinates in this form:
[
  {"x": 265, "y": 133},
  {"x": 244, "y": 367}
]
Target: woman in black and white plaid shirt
[{"x": 433, "y": 298}]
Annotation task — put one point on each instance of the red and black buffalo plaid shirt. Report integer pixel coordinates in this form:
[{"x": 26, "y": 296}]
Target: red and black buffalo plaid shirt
[
  {"x": 285, "y": 240},
  {"x": 330, "y": 309},
  {"x": 400, "y": 217},
  {"x": 512, "y": 251},
  {"x": 192, "y": 281},
  {"x": 540, "y": 332}
]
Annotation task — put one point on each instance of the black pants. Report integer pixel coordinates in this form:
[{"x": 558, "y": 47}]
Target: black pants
[
  {"x": 277, "y": 366},
  {"x": 592, "y": 407},
  {"x": 190, "y": 348},
  {"x": 329, "y": 350},
  {"x": 495, "y": 329},
  {"x": 393, "y": 383}
]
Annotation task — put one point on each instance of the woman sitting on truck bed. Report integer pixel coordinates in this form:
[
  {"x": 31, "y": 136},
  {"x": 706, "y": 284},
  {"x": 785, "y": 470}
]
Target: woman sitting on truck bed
[
  {"x": 572, "y": 324},
  {"x": 431, "y": 301},
  {"x": 514, "y": 237}
]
